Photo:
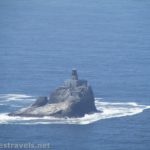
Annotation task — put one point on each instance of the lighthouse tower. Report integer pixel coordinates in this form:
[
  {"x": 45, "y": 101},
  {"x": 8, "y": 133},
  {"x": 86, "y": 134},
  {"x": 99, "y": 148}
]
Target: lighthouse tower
[{"x": 74, "y": 75}]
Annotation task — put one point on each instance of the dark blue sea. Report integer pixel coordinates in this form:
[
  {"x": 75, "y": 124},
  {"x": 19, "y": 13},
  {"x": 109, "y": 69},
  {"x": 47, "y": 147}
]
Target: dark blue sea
[{"x": 108, "y": 41}]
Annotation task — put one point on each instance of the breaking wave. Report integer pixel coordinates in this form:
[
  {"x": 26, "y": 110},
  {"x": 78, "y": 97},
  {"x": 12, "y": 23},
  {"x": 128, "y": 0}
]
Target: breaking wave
[
  {"x": 110, "y": 110},
  {"x": 14, "y": 97}
]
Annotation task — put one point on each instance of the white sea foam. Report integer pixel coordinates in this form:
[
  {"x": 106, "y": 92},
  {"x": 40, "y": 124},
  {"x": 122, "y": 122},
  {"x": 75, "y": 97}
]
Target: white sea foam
[
  {"x": 110, "y": 110},
  {"x": 15, "y": 97}
]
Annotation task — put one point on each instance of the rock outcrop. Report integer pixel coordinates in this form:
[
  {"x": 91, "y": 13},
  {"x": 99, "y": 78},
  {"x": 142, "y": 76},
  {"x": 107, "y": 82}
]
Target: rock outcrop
[{"x": 74, "y": 99}]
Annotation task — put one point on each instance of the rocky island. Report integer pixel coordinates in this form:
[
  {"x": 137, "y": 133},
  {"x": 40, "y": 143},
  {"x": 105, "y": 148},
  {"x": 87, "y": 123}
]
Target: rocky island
[{"x": 74, "y": 99}]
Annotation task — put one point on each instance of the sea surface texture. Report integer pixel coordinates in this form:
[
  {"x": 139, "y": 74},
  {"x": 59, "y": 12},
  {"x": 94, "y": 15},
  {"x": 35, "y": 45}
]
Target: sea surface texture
[{"x": 107, "y": 41}]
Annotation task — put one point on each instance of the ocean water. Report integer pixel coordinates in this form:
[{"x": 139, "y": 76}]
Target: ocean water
[{"x": 107, "y": 41}]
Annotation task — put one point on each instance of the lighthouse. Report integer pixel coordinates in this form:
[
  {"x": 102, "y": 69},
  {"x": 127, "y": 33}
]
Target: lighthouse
[{"x": 74, "y": 75}]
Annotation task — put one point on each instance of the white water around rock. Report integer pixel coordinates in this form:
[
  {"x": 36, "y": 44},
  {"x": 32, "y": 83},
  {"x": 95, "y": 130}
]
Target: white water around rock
[{"x": 109, "y": 110}]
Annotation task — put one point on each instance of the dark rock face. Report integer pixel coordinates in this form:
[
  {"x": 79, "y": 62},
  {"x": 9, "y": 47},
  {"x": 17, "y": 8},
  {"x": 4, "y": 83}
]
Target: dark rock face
[
  {"x": 41, "y": 101},
  {"x": 74, "y": 99}
]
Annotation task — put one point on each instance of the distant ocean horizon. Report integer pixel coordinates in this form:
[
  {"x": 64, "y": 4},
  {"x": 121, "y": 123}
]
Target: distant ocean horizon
[{"x": 106, "y": 41}]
